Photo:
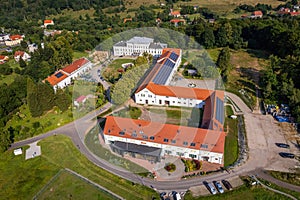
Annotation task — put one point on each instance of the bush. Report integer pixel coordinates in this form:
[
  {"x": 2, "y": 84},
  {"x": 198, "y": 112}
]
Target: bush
[{"x": 170, "y": 167}]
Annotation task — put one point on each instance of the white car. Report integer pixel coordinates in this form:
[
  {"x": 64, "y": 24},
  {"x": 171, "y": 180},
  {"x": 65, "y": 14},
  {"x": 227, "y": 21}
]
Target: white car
[
  {"x": 210, "y": 187},
  {"x": 218, "y": 186}
]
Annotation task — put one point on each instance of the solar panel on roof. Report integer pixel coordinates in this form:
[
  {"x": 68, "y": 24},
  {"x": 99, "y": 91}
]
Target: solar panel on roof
[
  {"x": 220, "y": 110},
  {"x": 59, "y": 74},
  {"x": 173, "y": 56},
  {"x": 164, "y": 72}
]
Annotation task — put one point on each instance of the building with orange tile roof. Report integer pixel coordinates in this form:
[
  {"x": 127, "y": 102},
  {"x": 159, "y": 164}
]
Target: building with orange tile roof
[
  {"x": 64, "y": 76},
  {"x": 14, "y": 40},
  {"x": 174, "y": 13},
  {"x": 257, "y": 14},
  {"x": 154, "y": 140},
  {"x": 21, "y": 54},
  {"x": 48, "y": 22}
]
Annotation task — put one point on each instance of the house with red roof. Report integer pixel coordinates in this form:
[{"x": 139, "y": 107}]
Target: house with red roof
[
  {"x": 14, "y": 40},
  {"x": 48, "y": 22},
  {"x": 21, "y": 54},
  {"x": 3, "y": 59},
  {"x": 64, "y": 76},
  {"x": 80, "y": 100},
  {"x": 177, "y": 22},
  {"x": 256, "y": 14},
  {"x": 174, "y": 13}
]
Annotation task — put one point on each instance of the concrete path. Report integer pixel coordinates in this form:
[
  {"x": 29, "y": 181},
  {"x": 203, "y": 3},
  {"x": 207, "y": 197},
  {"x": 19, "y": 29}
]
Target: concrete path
[{"x": 33, "y": 151}]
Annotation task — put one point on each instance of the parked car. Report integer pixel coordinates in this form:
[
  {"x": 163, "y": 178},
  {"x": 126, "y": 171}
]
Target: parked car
[
  {"x": 287, "y": 155},
  {"x": 210, "y": 187},
  {"x": 227, "y": 185},
  {"x": 282, "y": 145},
  {"x": 218, "y": 186},
  {"x": 176, "y": 195}
]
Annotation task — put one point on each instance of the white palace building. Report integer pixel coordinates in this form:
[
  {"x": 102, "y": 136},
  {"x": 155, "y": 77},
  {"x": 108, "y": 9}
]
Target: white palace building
[
  {"x": 153, "y": 140},
  {"x": 137, "y": 46}
]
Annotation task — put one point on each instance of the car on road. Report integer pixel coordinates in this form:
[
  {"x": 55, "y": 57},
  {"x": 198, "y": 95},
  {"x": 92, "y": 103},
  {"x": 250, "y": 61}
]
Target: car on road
[
  {"x": 287, "y": 155},
  {"x": 282, "y": 145},
  {"x": 210, "y": 187},
  {"x": 218, "y": 186},
  {"x": 227, "y": 184}
]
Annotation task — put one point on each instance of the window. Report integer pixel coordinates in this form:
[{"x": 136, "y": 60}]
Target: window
[
  {"x": 152, "y": 137},
  {"x": 145, "y": 137},
  {"x": 166, "y": 140},
  {"x": 142, "y": 95},
  {"x": 173, "y": 141},
  {"x": 122, "y": 133},
  {"x": 133, "y": 135},
  {"x": 205, "y": 146},
  {"x": 193, "y": 144},
  {"x": 179, "y": 154},
  {"x": 185, "y": 143},
  {"x": 149, "y": 95},
  {"x": 192, "y": 156}
]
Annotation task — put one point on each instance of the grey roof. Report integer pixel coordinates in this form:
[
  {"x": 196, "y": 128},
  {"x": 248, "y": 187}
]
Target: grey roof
[
  {"x": 140, "y": 40},
  {"x": 156, "y": 46},
  {"x": 120, "y": 44},
  {"x": 141, "y": 149}
]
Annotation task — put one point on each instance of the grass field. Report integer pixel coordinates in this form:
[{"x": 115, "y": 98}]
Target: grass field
[
  {"x": 132, "y": 113},
  {"x": 24, "y": 178},
  {"x": 78, "y": 54},
  {"x": 68, "y": 186},
  {"x": 23, "y": 122},
  {"x": 242, "y": 192},
  {"x": 111, "y": 72},
  {"x": 231, "y": 140},
  {"x": 92, "y": 142},
  {"x": 292, "y": 178}
]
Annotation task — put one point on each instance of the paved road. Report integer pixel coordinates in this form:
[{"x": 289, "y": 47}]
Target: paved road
[{"x": 257, "y": 153}]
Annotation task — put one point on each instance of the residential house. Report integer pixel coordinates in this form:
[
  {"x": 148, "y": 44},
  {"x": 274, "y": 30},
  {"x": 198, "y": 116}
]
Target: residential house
[
  {"x": 4, "y": 37},
  {"x": 48, "y": 22},
  {"x": 127, "y": 20},
  {"x": 32, "y": 47},
  {"x": 21, "y": 54},
  {"x": 3, "y": 59},
  {"x": 80, "y": 100},
  {"x": 256, "y": 14},
  {"x": 177, "y": 22},
  {"x": 14, "y": 40},
  {"x": 175, "y": 13}
]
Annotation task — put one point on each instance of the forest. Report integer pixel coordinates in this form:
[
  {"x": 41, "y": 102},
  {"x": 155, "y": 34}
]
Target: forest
[{"x": 278, "y": 36}]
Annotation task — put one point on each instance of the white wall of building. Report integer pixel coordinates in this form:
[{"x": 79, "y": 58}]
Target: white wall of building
[{"x": 167, "y": 149}]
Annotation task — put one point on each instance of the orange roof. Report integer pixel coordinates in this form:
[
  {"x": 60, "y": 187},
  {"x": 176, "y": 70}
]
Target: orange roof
[
  {"x": 127, "y": 19},
  {"x": 56, "y": 77},
  {"x": 175, "y": 12},
  {"x": 15, "y": 37},
  {"x": 19, "y": 53},
  {"x": 48, "y": 21},
  {"x": 170, "y": 50},
  {"x": 177, "y": 20},
  {"x": 3, "y": 57},
  {"x": 181, "y": 92},
  {"x": 257, "y": 13},
  {"x": 75, "y": 65},
  {"x": 158, "y": 132}
]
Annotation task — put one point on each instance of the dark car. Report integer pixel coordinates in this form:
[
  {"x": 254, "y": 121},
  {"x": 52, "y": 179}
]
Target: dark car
[
  {"x": 287, "y": 155},
  {"x": 282, "y": 145},
  {"x": 227, "y": 185}
]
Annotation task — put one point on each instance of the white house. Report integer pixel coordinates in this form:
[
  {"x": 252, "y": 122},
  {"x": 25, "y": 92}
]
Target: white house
[
  {"x": 155, "y": 140},
  {"x": 64, "y": 76},
  {"x": 21, "y": 54},
  {"x": 4, "y": 37},
  {"x": 14, "y": 40},
  {"x": 137, "y": 46}
]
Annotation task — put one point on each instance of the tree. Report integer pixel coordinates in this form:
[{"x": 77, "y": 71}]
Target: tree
[
  {"x": 223, "y": 63},
  {"x": 4, "y": 140},
  {"x": 32, "y": 99},
  {"x": 62, "y": 100},
  {"x": 22, "y": 63},
  {"x": 208, "y": 38}
]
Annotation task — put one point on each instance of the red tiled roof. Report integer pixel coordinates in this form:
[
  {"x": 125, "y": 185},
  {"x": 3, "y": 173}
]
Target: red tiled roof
[
  {"x": 175, "y": 12},
  {"x": 294, "y": 13},
  {"x": 81, "y": 99},
  {"x": 177, "y": 20},
  {"x": 15, "y": 37},
  {"x": 19, "y": 53},
  {"x": 214, "y": 140},
  {"x": 3, "y": 57},
  {"x": 48, "y": 21},
  {"x": 257, "y": 13},
  {"x": 53, "y": 79},
  {"x": 75, "y": 65},
  {"x": 181, "y": 92}
]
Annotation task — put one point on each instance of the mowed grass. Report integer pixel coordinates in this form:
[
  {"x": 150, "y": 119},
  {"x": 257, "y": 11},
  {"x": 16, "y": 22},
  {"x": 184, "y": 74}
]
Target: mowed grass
[
  {"x": 78, "y": 54},
  {"x": 24, "y": 178},
  {"x": 68, "y": 186},
  {"x": 23, "y": 122},
  {"x": 111, "y": 71},
  {"x": 231, "y": 140},
  {"x": 242, "y": 192}
]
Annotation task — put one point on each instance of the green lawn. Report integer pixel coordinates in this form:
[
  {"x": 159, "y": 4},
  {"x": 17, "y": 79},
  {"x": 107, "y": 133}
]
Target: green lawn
[
  {"x": 111, "y": 72},
  {"x": 131, "y": 112},
  {"x": 78, "y": 54},
  {"x": 231, "y": 140},
  {"x": 68, "y": 186},
  {"x": 92, "y": 142},
  {"x": 23, "y": 179},
  {"x": 242, "y": 192},
  {"x": 292, "y": 178},
  {"x": 23, "y": 122}
]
